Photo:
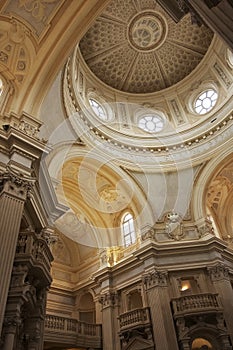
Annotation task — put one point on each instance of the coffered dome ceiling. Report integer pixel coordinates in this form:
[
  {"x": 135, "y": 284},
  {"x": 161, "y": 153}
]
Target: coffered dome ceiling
[{"x": 136, "y": 47}]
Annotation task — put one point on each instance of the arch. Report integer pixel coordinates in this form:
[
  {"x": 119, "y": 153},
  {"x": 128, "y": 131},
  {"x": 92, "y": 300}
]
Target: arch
[
  {"x": 201, "y": 344},
  {"x": 210, "y": 333},
  {"x": 134, "y": 299},
  {"x": 86, "y": 307},
  {"x": 201, "y": 185}
]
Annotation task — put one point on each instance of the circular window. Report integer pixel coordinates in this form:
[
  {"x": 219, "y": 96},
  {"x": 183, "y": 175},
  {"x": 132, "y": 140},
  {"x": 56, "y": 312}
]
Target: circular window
[
  {"x": 205, "y": 101},
  {"x": 151, "y": 123},
  {"x": 98, "y": 109}
]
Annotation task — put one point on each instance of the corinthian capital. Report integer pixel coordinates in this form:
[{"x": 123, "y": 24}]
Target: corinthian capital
[
  {"x": 15, "y": 183},
  {"x": 109, "y": 299},
  {"x": 218, "y": 272},
  {"x": 155, "y": 279}
]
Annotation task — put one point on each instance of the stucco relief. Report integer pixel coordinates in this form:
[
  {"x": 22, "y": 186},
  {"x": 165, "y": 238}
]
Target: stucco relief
[
  {"x": 17, "y": 50},
  {"x": 60, "y": 252},
  {"x": 37, "y": 13}
]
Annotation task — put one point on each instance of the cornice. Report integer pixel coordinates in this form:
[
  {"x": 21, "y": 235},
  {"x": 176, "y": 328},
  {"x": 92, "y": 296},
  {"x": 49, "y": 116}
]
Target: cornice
[{"x": 185, "y": 147}]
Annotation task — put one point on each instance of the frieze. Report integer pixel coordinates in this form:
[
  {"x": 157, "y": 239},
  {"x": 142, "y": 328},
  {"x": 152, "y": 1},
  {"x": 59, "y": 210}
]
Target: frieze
[{"x": 28, "y": 129}]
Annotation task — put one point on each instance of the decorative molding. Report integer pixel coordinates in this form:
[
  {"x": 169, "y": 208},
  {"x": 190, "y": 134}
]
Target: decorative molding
[
  {"x": 174, "y": 227},
  {"x": 148, "y": 233},
  {"x": 177, "y": 111},
  {"x": 37, "y": 13},
  {"x": 17, "y": 49},
  {"x": 205, "y": 228},
  {"x": 223, "y": 76},
  {"x": 182, "y": 147},
  {"x": 117, "y": 53},
  {"x": 25, "y": 123}
]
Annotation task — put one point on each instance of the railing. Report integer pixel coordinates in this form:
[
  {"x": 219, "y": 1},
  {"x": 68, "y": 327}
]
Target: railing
[
  {"x": 191, "y": 304},
  {"x": 63, "y": 325},
  {"x": 35, "y": 247},
  {"x": 134, "y": 318}
]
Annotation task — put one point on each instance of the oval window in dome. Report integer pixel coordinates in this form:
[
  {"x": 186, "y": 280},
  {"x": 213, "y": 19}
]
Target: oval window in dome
[
  {"x": 205, "y": 101},
  {"x": 151, "y": 123}
]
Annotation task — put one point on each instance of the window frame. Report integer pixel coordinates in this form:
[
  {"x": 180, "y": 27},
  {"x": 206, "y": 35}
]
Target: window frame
[{"x": 128, "y": 230}]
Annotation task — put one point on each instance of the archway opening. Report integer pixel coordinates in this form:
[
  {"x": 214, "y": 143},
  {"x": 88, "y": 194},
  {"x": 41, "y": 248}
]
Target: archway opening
[{"x": 201, "y": 344}]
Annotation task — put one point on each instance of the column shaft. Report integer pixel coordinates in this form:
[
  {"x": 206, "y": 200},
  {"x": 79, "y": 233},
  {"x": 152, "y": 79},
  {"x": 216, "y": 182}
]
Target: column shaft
[
  {"x": 220, "y": 279},
  {"x": 161, "y": 315},
  {"x": 12, "y": 200}
]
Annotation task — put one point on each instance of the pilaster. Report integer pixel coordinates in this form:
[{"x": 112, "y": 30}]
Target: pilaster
[
  {"x": 14, "y": 191},
  {"x": 109, "y": 301},
  {"x": 219, "y": 275},
  {"x": 156, "y": 286}
]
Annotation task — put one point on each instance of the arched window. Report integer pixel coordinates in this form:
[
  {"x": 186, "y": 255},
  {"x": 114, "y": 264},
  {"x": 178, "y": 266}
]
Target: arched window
[{"x": 128, "y": 229}]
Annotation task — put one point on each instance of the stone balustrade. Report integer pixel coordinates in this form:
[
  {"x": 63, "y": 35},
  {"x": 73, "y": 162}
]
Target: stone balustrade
[
  {"x": 134, "y": 318},
  {"x": 72, "y": 331},
  {"x": 34, "y": 247},
  {"x": 59, "y": 323},
  {"x": 191, "y": 304}
]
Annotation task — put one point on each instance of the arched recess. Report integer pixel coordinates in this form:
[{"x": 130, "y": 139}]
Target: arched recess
[
  {"x": 86, "y": 307},
  {"x": 209, "y": 175},
  {"x": 201, "y": 344},
  {"x": 134, "y": 299},
  {"x": 218, "y": 339}
]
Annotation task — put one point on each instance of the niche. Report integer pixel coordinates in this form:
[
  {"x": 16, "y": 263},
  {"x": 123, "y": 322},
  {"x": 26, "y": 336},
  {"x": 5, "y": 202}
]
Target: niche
[{"x": 87, "y": 308}]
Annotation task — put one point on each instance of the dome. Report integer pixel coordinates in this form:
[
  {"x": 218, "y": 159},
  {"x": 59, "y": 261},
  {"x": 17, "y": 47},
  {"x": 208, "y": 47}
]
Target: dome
[{"x": 139, "y": 48}]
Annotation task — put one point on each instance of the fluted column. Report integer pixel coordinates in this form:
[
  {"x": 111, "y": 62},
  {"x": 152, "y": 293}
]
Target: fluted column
[
  {"x": 219, "y": 276},
  {"x": 13, "y": 193},
  {"x": 158, "y": 300},
  {"x": 109, "y": 301}
]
